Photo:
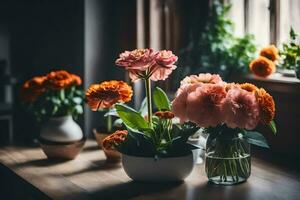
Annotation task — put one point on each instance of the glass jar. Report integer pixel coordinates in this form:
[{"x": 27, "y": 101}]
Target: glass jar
[{"x": 228, "y": 159}]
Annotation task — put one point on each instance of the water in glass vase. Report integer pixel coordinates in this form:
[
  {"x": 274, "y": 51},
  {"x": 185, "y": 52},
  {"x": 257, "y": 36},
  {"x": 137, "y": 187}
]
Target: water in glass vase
[{"x": 228, "y": 171}]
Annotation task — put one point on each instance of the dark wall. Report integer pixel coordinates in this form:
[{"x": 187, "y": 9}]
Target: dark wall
[
  {"x": 44, "y": 35},
  {"x": 110, "y": 28}
]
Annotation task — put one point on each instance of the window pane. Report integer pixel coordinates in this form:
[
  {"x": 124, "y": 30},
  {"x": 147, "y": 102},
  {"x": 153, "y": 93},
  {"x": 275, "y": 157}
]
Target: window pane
[
  {"x": 237, "y": 15},
  {"x": 259, "y": 21},
  {"x": 289, "y": 17}
]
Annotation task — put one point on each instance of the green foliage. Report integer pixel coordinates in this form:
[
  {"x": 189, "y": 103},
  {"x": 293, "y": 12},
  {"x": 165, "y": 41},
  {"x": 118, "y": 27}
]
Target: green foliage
[
  {"x": 131, "y": 118},
  {"x": 161, "y": 99},
  {"x": 162, "y": 138},
  {"x": 256, "y": 138},
  {"x": 54, "y": 103},
  {"x": 217, "y": 50},
  {"x": 290, "y": 52}
]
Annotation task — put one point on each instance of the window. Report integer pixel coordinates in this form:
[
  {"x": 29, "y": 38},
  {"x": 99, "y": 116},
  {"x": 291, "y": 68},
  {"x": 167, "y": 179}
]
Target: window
[{"x": 268, "y": 20}]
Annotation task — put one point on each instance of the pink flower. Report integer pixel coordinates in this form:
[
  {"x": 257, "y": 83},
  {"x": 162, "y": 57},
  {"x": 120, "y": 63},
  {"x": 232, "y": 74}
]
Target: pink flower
[
  {"x": 204, "y": 105},
  {"x": 201, "y": 78},
  {"x": 179, "y": 104},
  {"x": 241, "y": 109},
  {"x": 142, "y": 63},
  {"x": 166, "y": 59},
  {"x": 137, "y": 62},
  {"x": 200, "y": 103}
]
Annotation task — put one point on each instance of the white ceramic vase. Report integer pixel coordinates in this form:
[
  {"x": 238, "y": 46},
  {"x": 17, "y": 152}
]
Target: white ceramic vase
[
  {"x": 148, "y": 169},
  {"x": 61, "y": 129}
]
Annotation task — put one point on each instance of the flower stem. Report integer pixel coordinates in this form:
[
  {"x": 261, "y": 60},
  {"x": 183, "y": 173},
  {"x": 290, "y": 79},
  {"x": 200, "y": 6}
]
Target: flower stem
[
  {"x": 149, "y": 97},
  {"x": 109, "y": 123}
]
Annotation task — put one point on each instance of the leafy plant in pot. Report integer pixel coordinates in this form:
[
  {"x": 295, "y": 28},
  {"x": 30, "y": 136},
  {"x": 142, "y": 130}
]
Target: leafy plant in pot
[
  {"x": 229, "y": 113},
  {"x": 55, "y": 99},
  {"x": 103, "y": 97},
  {"x": 290, "y": 56},
  {"x": 153, "y": 147}
]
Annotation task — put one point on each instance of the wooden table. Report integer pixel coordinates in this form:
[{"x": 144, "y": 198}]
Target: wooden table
[{"x": 25, "y": 173}]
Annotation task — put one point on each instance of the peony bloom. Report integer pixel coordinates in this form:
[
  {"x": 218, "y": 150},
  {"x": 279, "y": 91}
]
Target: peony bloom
[
  {"x": 270, "y": 52},
  {"x": 33, "y": 88},
  {"x": 262, "y": 67},
  {"x": 61, "y": 79},
  {"x": 266, "y": 105},
  {"x": 240, "y": 109},
  {"x": 137, "y": 62},
  {"x": 165, "y": 114},
  {"x": 204, "y": 105},
  {"x": 249, "y": 87},
  {"x": 107, "y": 93},
  {"x": 115, "y": 139}
]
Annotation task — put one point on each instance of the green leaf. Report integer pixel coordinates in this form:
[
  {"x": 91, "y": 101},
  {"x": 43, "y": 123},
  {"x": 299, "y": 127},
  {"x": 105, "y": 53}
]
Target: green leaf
[
  {"x": 273, "y": 128},
  {"x": 78, "y": 109},
  {"x": 143, "y": 108},
  {"x": 161, "y": 99},
  {"x": 256, "y": 138},
  {"x": 111, "y": 112},
  {"x": 77, "y": 100},
  {"x": 131, "y": 118}
]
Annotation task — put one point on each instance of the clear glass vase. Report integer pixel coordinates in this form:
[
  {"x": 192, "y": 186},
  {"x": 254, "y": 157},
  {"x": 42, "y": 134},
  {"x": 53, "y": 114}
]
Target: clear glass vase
[{"x": 228, "y": 160}]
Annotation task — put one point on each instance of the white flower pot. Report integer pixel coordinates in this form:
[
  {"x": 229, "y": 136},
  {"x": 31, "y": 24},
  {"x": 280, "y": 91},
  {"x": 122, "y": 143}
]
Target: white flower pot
[
  {"x": 148, "y": 169},
  {"x": 61, "y": 129}
]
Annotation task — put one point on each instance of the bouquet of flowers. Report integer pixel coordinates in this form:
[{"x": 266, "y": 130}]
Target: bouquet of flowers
[
  {"x": 146, "y": 135},
  {"x": 56, "y": 94},
  {"x": 228, "y": 112}
]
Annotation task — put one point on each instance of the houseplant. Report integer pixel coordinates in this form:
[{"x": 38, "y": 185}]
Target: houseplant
[
  {"x": 103, "y": 97},
  {"x": 152, "y": 142},
  {"x": 55, "y": 99},
  {"x": 290, "y": 56},
  {"x": 216, "y": 49},
  {"x": 229, "y": 112}
]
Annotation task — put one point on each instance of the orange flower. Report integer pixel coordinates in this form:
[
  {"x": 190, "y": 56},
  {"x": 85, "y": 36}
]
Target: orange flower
[
  {"x": 270, "y": 52},
  {"x": 115, "y": 139},
  {"x": 262, "y": 66},
  {"x": 61, "y": 79},
  {"x": 267, "y": 106},
  {"x": 107, "y": 93},
  {"x": 33, "y": 88},
  {"x": 76, "y": 79},
  {"x": 165, "y": 114},
  {"x": 249, "y": 87}
]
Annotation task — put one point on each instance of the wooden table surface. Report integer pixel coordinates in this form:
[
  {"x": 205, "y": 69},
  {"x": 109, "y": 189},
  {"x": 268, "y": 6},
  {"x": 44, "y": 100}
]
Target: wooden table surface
[{"x": 90, "y": 177}]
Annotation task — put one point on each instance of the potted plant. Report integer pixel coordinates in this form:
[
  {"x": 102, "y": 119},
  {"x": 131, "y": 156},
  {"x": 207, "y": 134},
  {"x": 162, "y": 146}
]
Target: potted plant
[
  {"x": 152, "y": 143},
  {"x": 229, "y": 112},
  {"x": 290, "y": 56},
  {"x": 55, "y": 99},
  {"x": 103, "y": 97}
]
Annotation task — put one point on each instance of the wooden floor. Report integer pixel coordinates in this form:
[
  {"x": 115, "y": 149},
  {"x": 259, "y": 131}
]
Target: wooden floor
[{"x": 26, "y": 173}]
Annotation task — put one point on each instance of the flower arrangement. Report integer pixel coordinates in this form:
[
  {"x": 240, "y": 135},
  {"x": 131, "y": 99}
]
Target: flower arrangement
[
  {"x": 148, "y": 135},
  {"x": 265, "y": 64},
  {"x": 227, "y": 111},
  {"x": 52, "y": 95}
]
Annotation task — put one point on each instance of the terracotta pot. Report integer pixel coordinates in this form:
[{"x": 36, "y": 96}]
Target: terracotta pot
[
  {"x": 111, "y": 155},
  {"x": 59, "y": 150},
  {"x": 149, "y": 169}
]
